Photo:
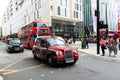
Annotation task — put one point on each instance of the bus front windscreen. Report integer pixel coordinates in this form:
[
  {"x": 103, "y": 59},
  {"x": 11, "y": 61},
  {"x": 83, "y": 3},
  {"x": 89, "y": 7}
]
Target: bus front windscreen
[
  {"x": 39, "y": 24},
  {"x": 43, "y": 30}
]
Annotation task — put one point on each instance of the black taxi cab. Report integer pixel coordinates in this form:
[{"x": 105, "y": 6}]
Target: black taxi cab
[{"x": 14, "y": 45}]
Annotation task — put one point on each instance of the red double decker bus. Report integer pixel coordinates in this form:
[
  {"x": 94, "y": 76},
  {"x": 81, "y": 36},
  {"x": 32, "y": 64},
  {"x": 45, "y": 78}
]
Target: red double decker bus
[
  {"x": 111, "y": 33},
  {"x": 29, "y": 32}
]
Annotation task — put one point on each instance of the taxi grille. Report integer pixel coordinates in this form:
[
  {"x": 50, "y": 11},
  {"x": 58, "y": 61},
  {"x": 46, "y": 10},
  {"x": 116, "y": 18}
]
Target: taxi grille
[
  {"x": 15, "y": 46},
  {"x": 68, "y": 53}
]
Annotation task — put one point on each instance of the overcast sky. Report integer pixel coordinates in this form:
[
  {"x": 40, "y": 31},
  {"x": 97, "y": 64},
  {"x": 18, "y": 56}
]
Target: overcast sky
[{"x": 3, "y": 6}]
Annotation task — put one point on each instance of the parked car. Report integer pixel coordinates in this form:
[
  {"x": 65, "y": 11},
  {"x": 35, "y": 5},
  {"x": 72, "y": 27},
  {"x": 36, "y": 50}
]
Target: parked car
[
  {"x": 14, "y": 45},
  {"x": 54, "y": 50}
]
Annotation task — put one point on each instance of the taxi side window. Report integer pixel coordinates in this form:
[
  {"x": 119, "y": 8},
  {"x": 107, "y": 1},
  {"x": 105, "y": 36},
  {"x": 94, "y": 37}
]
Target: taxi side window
[
  {"x": 43, "y": 44},
  {"x": 7, "y": 42},
  {"x": 37, "y": 42}
]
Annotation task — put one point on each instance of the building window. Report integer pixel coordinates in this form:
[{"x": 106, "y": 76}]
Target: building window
[
  {"x": 80, "y": 16},
  {"x": 80, "y": 1},
  {"x": 80, "y": 8},
  {"x": 25, "y": 19},
  {"x": 76, "y": 6},
  {"x": 65, "y": 12},
  {"x": 77, "y": 15},
  {"x": 39, "y": 4},
  {"x": 35, "y": 6},
  {"x": 51, "y": 7},
  {"x": 66, "y": 3},
  {"x": 58, "y": 10},
  {"x": 61, "y": 2},
  {"x": 34, "y": 15},
  {"x": 37, "y": 14},
  {"x": 76, "y": 0},
  {"x": 74, "y": 14},
  {"x": 31, "y": 1}
]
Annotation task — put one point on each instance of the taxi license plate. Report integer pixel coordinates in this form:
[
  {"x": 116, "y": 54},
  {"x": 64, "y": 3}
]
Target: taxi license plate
[
  {"x": 17, "y": 49},
  {"x": 69, "y": 61}
]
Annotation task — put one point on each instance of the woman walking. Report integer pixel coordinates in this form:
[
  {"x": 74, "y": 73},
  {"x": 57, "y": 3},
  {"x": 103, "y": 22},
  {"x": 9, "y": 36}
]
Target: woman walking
[{"x": 113, "y": 46}]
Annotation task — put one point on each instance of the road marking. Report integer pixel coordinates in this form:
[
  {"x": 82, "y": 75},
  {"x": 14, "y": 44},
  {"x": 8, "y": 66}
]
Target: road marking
[
  {"x": 59, "y": 69},
  {"x": 10, "y": 72},
  {"x": 5, "y": 70},
  {"x": 42, "y": 75},
  {"x": 11, "y": 64},
  {"x": 14, "y": 71},
  {"x": 1, "y": 78},
  {"x": 82, "y": 55},
  {"x": 51, "y": 72}
]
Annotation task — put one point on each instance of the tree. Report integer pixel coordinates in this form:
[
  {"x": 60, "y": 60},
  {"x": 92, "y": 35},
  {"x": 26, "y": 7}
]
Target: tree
[
  {"x": 15, "y": 35},
  {"x": 0, "y": 31}
]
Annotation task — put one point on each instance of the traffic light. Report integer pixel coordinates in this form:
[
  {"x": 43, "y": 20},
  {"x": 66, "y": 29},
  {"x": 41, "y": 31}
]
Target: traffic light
[
  {"x": 101, "y": 24},
  {"x": 97, "y": 13}
]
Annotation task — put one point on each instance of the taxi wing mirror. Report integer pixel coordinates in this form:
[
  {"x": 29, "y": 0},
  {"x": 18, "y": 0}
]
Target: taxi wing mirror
[{"x": 43, "y": 45}]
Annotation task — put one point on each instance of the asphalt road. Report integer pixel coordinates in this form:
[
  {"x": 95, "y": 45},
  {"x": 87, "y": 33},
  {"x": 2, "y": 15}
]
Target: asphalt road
[{"x": 22, "y": 66}]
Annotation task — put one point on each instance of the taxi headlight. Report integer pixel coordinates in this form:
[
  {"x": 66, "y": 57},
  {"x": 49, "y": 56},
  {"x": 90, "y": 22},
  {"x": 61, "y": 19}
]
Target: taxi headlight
[
  {"x": 58, "y": 53},
  {"x": 21, "y": 45},
  {"x": 10, "y": 46}
]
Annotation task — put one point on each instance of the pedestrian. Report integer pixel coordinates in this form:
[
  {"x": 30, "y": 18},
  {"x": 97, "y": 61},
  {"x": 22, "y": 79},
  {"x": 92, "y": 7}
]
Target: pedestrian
[
  {"x": 87, "y": 43},
  {"x": 110, "y": 45},
  {"x": 74, "y": 39},
  {"x": 103, "y": 45},
  {"x": 119, "y": 43},
  {"x": 83, "y": 44},
  {"x": 113, "y": 46}
]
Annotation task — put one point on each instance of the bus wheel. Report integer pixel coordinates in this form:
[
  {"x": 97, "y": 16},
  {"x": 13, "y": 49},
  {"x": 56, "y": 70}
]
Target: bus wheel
[{"x": 28, "y": 46}]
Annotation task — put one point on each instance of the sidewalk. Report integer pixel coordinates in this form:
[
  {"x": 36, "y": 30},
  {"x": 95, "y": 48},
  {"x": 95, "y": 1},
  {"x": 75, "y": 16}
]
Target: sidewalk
[
  {"x": 1, "y": 75},
  {"x": 93, "y": 51}
]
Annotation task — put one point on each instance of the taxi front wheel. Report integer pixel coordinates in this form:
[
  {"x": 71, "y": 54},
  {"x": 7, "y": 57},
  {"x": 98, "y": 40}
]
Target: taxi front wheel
[{"x": 50, "y": 61}]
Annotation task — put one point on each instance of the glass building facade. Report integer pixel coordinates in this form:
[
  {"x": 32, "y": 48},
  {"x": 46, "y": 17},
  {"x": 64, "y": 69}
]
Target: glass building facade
[{"x": 87, "y": 17}]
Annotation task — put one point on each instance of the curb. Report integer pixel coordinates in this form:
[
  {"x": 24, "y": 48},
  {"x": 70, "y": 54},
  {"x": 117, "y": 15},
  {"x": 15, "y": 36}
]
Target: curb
[
  {"x": 107, "y": 58},
  {"x": 102, "y": 57}
]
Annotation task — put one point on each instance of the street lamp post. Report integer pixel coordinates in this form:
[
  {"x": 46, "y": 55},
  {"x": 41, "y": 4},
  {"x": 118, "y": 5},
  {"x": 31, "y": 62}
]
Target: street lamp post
[
  {"x": 98, "y": 47},
  {"x": 10, "y": 29}
]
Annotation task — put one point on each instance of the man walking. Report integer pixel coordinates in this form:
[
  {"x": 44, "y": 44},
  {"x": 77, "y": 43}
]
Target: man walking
[{"x": 103, "y": 46}]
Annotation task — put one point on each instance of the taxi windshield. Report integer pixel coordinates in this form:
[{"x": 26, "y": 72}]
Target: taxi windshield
[
  {"x": 16, "y": 41},
  {"x": 56, "y": 41}
]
